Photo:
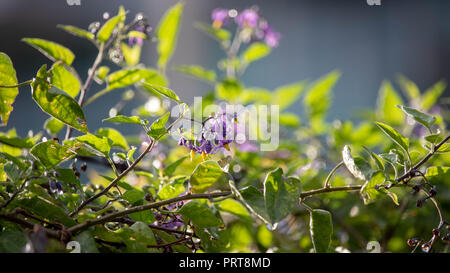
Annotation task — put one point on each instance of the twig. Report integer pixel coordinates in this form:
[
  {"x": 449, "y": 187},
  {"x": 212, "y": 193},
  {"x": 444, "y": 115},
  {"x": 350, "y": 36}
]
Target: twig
[
  {"x": 114, "y": 182},
  {"x": 114, "y": 215}
]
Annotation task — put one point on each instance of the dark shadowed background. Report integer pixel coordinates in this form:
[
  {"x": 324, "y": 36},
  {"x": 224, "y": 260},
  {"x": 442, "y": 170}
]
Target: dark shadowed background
[{"x": 367, "y": 43}]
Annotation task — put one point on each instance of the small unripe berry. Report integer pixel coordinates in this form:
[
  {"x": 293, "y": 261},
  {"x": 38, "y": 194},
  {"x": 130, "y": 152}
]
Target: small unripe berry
[
  {"x": 83, "y": 167},
  {"x": 426, "y": 247}
]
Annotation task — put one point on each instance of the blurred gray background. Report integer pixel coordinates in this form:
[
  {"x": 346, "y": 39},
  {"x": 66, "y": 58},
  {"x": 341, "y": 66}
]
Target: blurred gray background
[{"x": 366, "y": 43}]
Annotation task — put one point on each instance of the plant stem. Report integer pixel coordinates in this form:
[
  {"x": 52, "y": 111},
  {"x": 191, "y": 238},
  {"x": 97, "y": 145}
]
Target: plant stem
[
  {"x": 88, "y": 82},
  {"x": 114, "y": 215},
  {"x": 17, "y": 85},
  {"x": 114, "y": 182},
  {"x": 327, "y": 183}
]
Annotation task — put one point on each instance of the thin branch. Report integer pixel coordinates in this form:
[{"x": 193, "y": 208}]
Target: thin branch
[
  {"x": 327, "y": 180},
  {"x": 87, "y": 83},
  {"x": 423, "y": 161},
  {"x": 17, "y": 85},
  {"x": 114, "y": 182},
  {"x": 114, "y": 215}
]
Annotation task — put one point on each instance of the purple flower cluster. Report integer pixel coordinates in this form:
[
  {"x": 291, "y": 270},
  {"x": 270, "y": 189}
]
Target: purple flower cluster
[
  {"x": 250, "y": 20},
  {"x": 217, "y": 133}
]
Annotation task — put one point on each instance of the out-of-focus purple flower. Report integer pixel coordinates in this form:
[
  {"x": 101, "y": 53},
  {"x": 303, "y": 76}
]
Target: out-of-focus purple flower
[
  {"x": 145, "y": 29},
  {"x": 55, "y": 187},
  {"x": 272, "y": 38},
  {"x": 247, "y": 18},
  {"x": 219, "y": 17}
]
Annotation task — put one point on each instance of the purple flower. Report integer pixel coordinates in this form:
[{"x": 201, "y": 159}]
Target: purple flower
[
  {"x": 145, "y": 29},
  {"x": 247, "y": 18},
  {"x": 272, "y": 38},
  {"x": 219, "y": 17},
  {"x": 217, "y": 133}
]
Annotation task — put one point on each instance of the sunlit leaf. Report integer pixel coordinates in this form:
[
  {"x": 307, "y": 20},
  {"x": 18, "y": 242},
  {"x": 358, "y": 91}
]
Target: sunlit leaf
[
  {"x": 197, "y": 72},
  {"x": 51, "y": 153},
  {"x": 56, "y": 103},
  {"x": 206, "y": 175},
  {"x": 64, "y": 80},
  {"x": 286, "y": 95},
  {"x": 318, "y": 97},
  {"x": 167, "y": 33},
  {"x": 99, "y": 143},
  {"x": 158, "y": 129},
  {"x": 395, "y": 136},
  {"x": 422, "y": 118},
  {"x": 162, "y": 90},
  {"x": 7, "y": 95},
  {"x": 77, "y": 31},
  {"x": 51, "y": 50},
  {"x": 280, "y": 194},
  {"x": 432, "y": 94},
  {"x": 388, "y": 99},
  {"x": 321, "y": 229},
  {"x": 118, "y": 140},
  {"x": 124, "y": 119},
  {"x": 255, "y": 52},
  {"x": 200, "y": 214},
  {"x": 218, "y": 34},
  {"x": 358, "y": 167},
  {"x": 106, "y": 30}
]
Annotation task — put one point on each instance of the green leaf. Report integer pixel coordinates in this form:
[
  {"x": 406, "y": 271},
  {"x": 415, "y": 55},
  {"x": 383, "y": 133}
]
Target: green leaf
[
  {"x": 218, "y": 34},
  {"x": 126, "y": 77},
  {"x": 375, "y": 158},
  {"x": 422, "y": 118},
  {"x": 170, "y": 169},
  {"x": 280, "y": 194},
  {"x": 409, "y": 87},
  {"x": 286, "y": 95},
  {"x": 53, "y": 126},
  {"x": 158, "y": 127},
  {"x": 133, "y": 195},
  {"x": 167, "y": 33},
  {"x": 118, "y": 140},
  {"x": 254, "y": 201},
  {"x": 200, "y": 214},
  {"x": 57, "y": 103},
  {"x": 321, "y": 229},
  {"x": 207, "y": 174},
  {"x": 197, "y": 72},
  {"x": 234, "y": 207},
  {"x": 228, "y": 89},
  {"x": 162, "y": 90},
  {"x": 172, "y": 189},
  {"x": 145, "y": 216},
  {"x": 431, "y": 95},
  {"x": 77, "y": 31},
  {"x": 255, "y": 52},
  {"x": 64, "y": 80},
  {"x": 14, "y": 141},
  {"x": 318, "y": 98},
  {"x": 144, "y": 233},
  {"x": 51, "y": 50},
  {"x": 44, "y": 209},
  {"x": 51, "y": 153},
  {"x": 358, "y": 167},
  {"x": 99, "y": 143},
  {"x": 395, "y": 136},
  {"x": 437, "y": 174},
  {"x": 106, "y": 30},
  {"x": 289, "y": 119},
  {"x": 7, "y": 95},
  {"x": 388, "y": 98},
  {"x": 132, "y": 54},
  {"x": 12, "y": 241},
  {"x": 371, "y": 190},
  {"x": 87, "y": 242},
  {"x": 124, "y": 119}
]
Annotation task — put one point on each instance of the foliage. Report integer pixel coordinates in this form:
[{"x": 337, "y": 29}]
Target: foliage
[{"x": 234, "y": 197}]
